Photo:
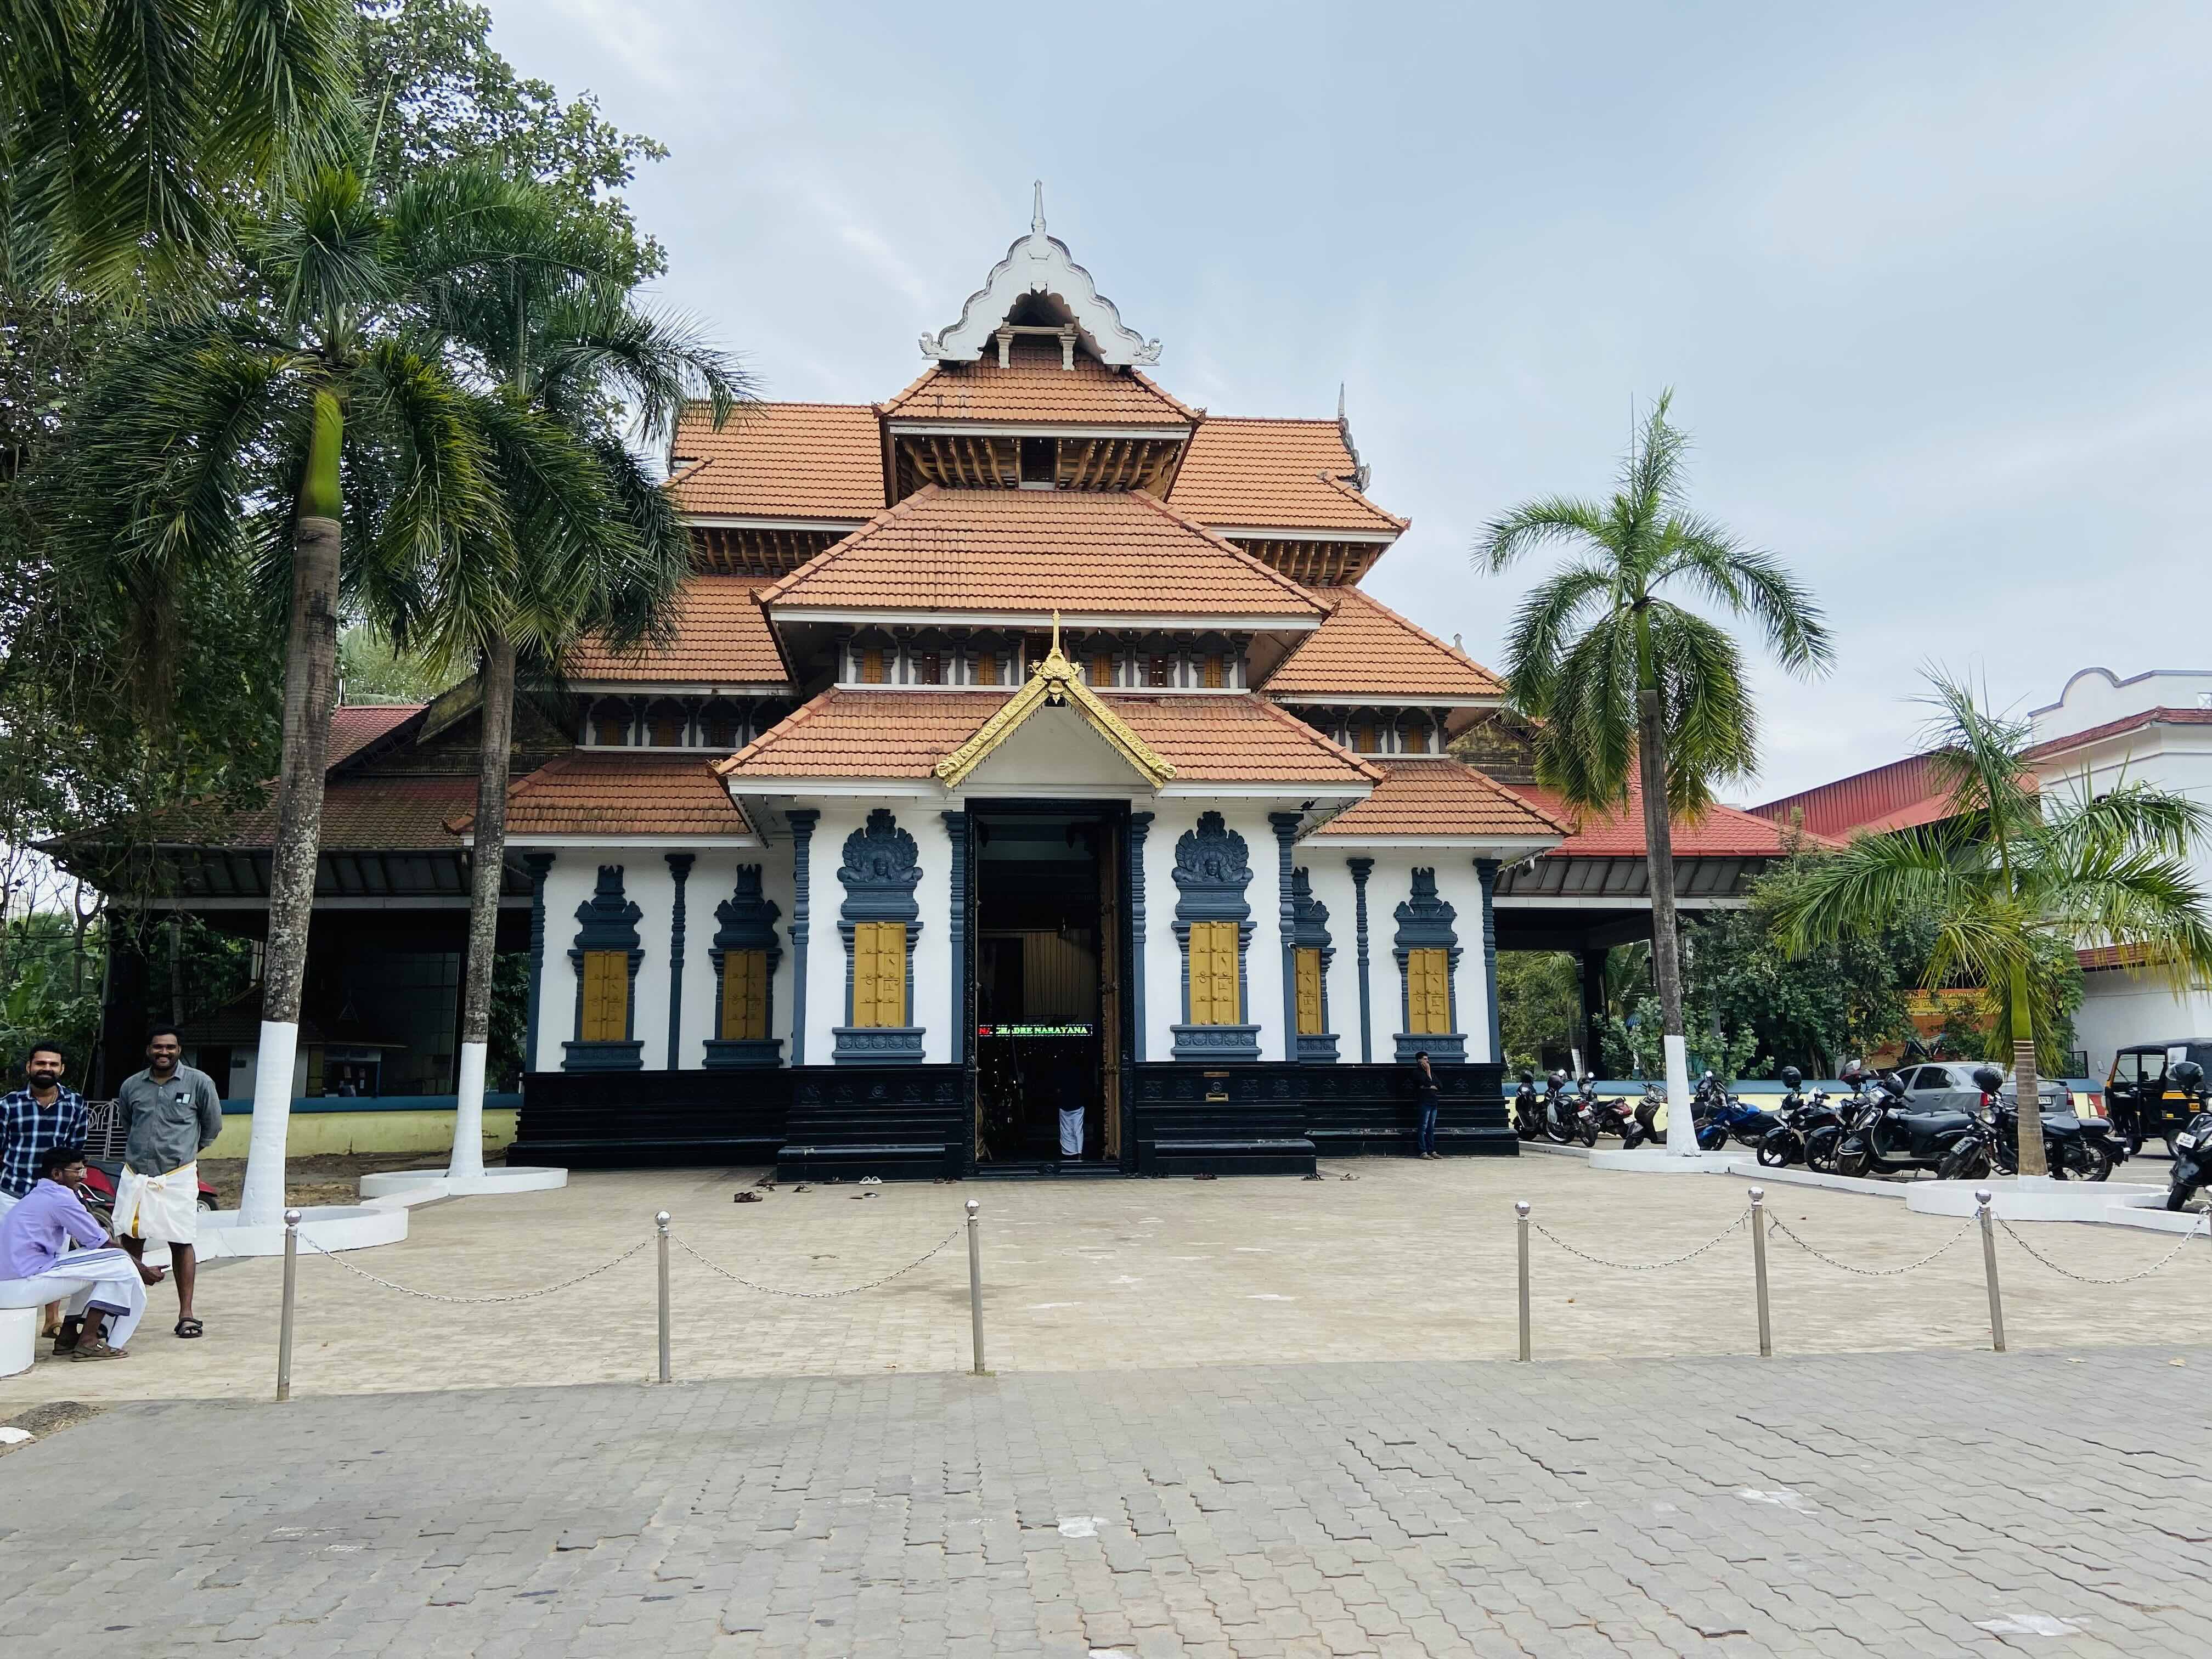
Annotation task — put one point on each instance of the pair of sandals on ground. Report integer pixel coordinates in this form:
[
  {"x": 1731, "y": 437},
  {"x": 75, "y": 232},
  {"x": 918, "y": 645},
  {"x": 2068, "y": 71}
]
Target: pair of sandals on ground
[{"x": 71, "y": 1343}]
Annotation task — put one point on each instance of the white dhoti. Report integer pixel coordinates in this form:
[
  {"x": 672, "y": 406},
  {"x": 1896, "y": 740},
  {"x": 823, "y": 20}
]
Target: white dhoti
[
  {"x": 1071, "y": 1132},
  {"x": 163, "y": 1208},
  {"x": 106, "y": 1279}
]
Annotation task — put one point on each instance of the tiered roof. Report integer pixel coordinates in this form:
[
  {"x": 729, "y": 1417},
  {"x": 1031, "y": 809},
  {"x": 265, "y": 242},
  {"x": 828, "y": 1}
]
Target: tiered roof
[
  {"x": 1028, "y": 553},
  {"x": 722, "y": 639},
  {"x": 616, "y": 792},
  {"x": 796, "y": 461},
  {"x": 1438, "y": 799},
  {"x": 1034, "y": 390},
  {"x": 1282, "y": 475},
  {"x": 1366, "y": 651}
]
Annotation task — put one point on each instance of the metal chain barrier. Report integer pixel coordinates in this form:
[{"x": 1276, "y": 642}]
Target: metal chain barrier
[
  {"x": 473, "y": 1301},
  {"x": 819, "y": 1295},
  {"x": 1775, "y": 1224},
  {"x": 1641, "y": 1267},
  {"x": 2093, "y": 1279}
]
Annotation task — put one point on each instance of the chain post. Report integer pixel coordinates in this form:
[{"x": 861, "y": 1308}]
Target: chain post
[
  {"x": 660, "y": 1221},
  {"x": 284, "y": 1318},
  {"x": 976, "y": 1284},
  {"x": 1520, "y": 1224},
  {"x": 1982, "y": 1196},
  {"x": 1759, "y": 1270}
]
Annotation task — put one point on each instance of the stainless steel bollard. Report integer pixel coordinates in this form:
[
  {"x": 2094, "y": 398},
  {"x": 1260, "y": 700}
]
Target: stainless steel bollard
[
  {"x": 1759, "y": 1270},
  {"x": 975, "y": 1285},
  {"x": 284, "y": 1318},
  {"x": 1521, "y": 1209},
  {"x": 661, "y": 1222},
  {"x": 1982, "y": 1196}
]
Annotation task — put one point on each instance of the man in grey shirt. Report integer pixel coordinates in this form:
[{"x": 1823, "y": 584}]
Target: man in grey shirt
[{"x": 170, "y": 1115}]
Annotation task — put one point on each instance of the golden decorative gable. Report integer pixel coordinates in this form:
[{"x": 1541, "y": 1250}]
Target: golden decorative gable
[{"x": 1053, "y": 683}]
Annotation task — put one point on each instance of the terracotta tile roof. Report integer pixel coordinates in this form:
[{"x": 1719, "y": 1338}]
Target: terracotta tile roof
[
  {"x": 1033, "y": 551},
  {"x": 2096, "y": 957},
  {"x": 1279, "y": 475},
  {"x": 621, "y": 792},
  {"x": 1035, "y": 390},
  {"x": 360, "y": 814},
  {"x": 722, "y": 638},
  {"x": 1726, "y": 832},
  {"x": 903, "y": 734},
  {"x": 1442, "y": 796},
  {"x": 1365, "y": 650},
  {"x": 2115, "y": 728},
  {"x": 354, "y": 726},
  {"x": 781, "y": 461}
]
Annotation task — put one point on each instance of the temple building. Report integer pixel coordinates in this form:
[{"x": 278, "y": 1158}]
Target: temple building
[{"x": 1030, "y": 784}]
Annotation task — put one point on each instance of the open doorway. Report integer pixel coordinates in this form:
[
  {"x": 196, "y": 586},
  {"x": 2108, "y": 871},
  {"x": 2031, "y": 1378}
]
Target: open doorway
[{"x": 1047, "y": 990}]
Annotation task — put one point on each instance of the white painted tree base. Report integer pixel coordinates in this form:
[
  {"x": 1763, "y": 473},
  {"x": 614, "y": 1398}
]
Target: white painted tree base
[
  {"x": 2032, "y": 1198},
  {"x": 420, "y": 1185},
  {"x": 1658, "y": 1160},
  {"x": 332, "y": 1226},
  {"x": 19, "y": 1339}
]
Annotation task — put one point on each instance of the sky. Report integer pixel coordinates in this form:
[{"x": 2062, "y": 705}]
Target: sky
[{"x": 1930, "y": 283}]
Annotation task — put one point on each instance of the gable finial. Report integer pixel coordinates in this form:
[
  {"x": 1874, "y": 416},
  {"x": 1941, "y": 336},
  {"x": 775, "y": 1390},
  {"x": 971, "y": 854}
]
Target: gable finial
[
  {"x": 1037, "y": 213},
  {"x": 1055, "y": 633},
  {"x": 1341, "y": 420}
]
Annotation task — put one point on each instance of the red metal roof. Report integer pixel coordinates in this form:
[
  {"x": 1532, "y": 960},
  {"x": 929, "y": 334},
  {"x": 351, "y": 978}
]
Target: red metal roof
[
  {"x": 1897, "y": 796},
  {"x": 1725, "y": 832}
]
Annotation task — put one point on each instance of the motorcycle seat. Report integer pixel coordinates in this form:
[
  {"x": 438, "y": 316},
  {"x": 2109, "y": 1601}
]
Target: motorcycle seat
[{"x": 1931, "y": 1123}]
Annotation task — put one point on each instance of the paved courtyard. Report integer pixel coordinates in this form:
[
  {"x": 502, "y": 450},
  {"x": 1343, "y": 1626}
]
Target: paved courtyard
[
  {"x": 1408, "y": 1260},
  {"x": 1933, "y": 1502}
]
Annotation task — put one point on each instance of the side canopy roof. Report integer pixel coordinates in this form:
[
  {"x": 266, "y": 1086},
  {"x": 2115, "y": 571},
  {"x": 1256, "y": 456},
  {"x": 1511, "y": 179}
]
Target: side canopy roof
[{"x": 1015, "y": 556}]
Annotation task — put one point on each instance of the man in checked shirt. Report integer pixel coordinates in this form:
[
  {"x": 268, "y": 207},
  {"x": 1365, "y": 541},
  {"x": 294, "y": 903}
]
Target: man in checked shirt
[{"x": 43, "y": 1113}]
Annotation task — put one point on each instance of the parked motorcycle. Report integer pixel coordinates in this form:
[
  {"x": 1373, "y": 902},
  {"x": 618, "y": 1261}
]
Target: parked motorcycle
[
  {"x": 1723, "y": 1116},
  {"x": 1562, "y": 1122},
  {"x": 1611, "y": 1117},
  {"x": 2072, "y": 1146},
  {"x": 1528, "y": 1116},
  {"x": 1644, "y": 1124},
  {"x": 1784, "y": 1143},
  {"x": 1883, "y": 1138},
  {"x": 2192, "y": 1147}
]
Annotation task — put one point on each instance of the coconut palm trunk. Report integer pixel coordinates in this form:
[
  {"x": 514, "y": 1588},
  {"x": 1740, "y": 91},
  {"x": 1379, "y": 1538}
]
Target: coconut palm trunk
[
  {"x": 1666, "y": 941},
  {"x": 496, "y": 682},
  {"x": 2032, "y": 1159},
  {"x": 310, "y": 693}
]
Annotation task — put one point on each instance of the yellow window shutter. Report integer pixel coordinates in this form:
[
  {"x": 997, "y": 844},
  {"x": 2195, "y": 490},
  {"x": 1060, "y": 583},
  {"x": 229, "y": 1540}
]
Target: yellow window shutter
[
  {"x": 1213, "y": 998},
  {"x": 1216, "y": 674},
  {"x": 1308, "y": 990},
  {"x": 891, "y": 973},
  {"x": 744, "y": 995},
  {"x": 863, "y": 975},
  {"x": 605, "y": 996},
  {"x": 1428, "y": 991}
]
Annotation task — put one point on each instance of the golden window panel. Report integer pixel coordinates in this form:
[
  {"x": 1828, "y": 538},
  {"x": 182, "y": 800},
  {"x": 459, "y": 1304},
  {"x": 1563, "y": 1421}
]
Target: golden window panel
[
  {"x": 1308, "y": 990},
  {"x": 1101, "y": 671},
  {"x": 871, "y": 665},
  {"x": 1428, "y": 992},
  {"x": 1213, "y": 988},
  {"x": 1216, "y": 675},
  {"x": 667, "y": 732},
  {"x": 606, "y": 997},
  {"x": 744, "y": 995},
  {"x": 879, "y": 974},
  {"x": 1363, "y": 740},
  {"x": 987, "y": 668},
  {"x": 1414, "y": 739},
  {"x": 612, "y": 730}
]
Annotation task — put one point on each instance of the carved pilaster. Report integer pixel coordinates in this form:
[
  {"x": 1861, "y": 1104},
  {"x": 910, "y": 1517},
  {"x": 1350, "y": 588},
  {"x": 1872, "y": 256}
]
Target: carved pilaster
[
  {"x": 539, "y": 865},
  {"x": 1285, "y": 826},
  {"x": 802, "y": 823},
  {"x": 1140, "y": 825},
  {"x": 679, "y": 870},
  {"x": 1486, "y": 869},
  {"x": 1361, "y": 869},
  {"x": 955, "y": 835}
]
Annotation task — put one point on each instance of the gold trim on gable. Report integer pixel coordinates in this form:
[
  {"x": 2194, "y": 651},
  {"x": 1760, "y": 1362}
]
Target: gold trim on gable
[{"x": 1053, "y": 681}]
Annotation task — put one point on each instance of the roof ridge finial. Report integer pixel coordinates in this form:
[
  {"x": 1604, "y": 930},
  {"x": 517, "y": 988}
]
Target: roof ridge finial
[
  {"x": 1036, "y": 212},
  {"x": 1056, "y": 633}
]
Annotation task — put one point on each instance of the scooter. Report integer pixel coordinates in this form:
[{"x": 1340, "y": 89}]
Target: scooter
[
  {"x": 1561, "y": 1119},
  {"x": 2192, "y": 1147},
  {"x": 1611, "y": 1117},
  {"x": 1882, "y": 1138},
  {"x": 1784, "y": 1143},
  {"x": 1528, "y": 1116},
  {"x": 1644, "y": 1122}
]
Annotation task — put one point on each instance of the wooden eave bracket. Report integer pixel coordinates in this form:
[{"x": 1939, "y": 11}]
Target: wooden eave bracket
[{"x": 1053, "y": 680}]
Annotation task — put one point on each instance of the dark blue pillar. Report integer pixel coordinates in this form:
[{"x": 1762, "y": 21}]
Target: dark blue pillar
[
  {"x": 1361, "y": 869},
  {"x": 679, "y": 867},
  {"x": 955, "y": 835},
  {"x": 1286, "y": 825},
  {"x": 802, "y": 823},
  {"x": 1487, "y": 870},
  {"x": 537, "y": 864},
  {"x": 1140, "y": 825}
]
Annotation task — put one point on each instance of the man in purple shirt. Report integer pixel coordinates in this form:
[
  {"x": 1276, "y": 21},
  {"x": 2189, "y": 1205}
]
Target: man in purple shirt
[{"x": 106, "y": 1287}]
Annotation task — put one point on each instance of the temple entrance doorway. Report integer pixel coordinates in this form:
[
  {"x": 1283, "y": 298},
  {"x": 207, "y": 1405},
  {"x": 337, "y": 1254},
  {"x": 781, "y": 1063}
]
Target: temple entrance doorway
[{"x": 1046, "y": 984}]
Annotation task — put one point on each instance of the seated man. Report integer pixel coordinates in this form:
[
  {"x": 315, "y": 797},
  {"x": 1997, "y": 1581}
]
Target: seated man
[{"x": 106, "y": 1287}]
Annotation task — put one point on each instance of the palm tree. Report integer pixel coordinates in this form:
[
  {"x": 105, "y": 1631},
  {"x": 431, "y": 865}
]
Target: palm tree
[
  {"x": 317, "y": 417},
  {"x": 2010, "y": 878},
  {"x": 127, "y": 130},
  {"x": 598, "y": 546},
  {"x": 1618, "y": 675}
]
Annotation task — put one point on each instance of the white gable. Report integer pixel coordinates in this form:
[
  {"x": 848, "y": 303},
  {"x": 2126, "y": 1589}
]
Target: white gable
[
  {"x": 1055, "y": 750},
  {"x": 1038, "y": 263}
]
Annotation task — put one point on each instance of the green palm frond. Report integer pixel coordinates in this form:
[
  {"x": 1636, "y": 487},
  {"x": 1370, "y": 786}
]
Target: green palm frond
[
  {"x": 1540, "y": 524},
  {"x": 1586, "y": 747},
  {"x": 1711, "y": 726},
  {"x": 1651, "y": 476},
  {"x": 1974, "y": 757},
  {"x": 1749, "y": 581},
  {"x": 1537, "y": 643}
]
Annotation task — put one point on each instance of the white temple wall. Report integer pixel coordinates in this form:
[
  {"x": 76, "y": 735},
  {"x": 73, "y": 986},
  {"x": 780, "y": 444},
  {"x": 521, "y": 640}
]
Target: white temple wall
[
  {"x": 930, "y": 1004},
  {"x": 1263, "y": 957},
  {"x": 1389, "y": 886}
]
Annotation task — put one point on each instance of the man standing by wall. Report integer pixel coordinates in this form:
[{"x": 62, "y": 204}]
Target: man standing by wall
[
  {"x": 171, "y": 1114},
  {"x": 43, "y": 1113}
]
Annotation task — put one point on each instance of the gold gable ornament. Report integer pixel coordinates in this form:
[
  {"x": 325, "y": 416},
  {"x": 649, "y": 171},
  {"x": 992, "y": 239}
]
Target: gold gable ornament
[{"x": 1054, "y": 683}]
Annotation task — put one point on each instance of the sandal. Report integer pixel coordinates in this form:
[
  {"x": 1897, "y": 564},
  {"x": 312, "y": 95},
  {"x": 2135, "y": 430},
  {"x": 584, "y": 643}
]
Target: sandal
[
  {"x": 189, "y": 1328},
  {"x": 98, "y": 1349}
]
